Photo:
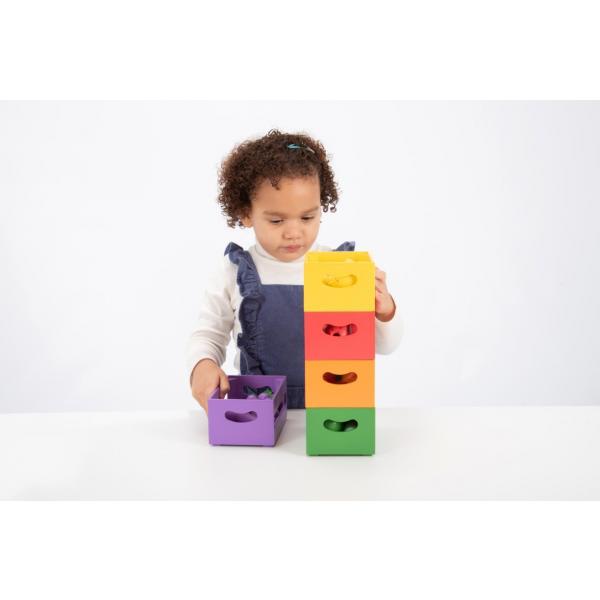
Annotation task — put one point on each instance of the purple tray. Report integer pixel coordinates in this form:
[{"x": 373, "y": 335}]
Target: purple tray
[{"x": 239, "y": 421}]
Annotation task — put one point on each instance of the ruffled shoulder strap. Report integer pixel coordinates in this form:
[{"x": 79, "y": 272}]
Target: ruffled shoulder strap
[
  {"x": 240, "y": 257},
  {"x": 346, "y": 247},
  {"x": 249, "y": 285},
  {"x": 247, "y": 275},
  {"x": 234, "y": 250}
]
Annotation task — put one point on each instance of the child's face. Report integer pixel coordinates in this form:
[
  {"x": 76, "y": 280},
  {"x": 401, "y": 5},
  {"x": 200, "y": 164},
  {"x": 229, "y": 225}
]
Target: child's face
[{"x": 286, "y": 220}]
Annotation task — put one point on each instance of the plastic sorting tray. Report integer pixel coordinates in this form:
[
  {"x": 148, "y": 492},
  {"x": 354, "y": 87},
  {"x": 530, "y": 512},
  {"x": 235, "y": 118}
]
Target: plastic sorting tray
[{"x": 237, "y": 420}]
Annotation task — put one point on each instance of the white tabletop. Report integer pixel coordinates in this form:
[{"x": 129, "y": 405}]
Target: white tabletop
[{"x": 436, "y": 453}]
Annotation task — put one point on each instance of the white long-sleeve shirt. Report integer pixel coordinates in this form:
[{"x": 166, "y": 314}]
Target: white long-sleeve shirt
[{"x": 219, "y": 307}]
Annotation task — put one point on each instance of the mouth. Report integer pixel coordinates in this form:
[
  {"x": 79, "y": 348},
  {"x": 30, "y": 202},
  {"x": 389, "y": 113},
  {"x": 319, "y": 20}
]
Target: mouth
[{"x": 292, "y": 248}]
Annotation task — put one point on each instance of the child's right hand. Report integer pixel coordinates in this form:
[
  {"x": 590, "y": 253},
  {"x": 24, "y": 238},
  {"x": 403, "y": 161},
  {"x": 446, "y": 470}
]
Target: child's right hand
[{"x": 206, "y": 376}]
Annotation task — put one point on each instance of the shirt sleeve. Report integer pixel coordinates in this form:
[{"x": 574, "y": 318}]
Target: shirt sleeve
[
  {"x": 388, "y": 334},
  {"x": 212, "y": 330}
]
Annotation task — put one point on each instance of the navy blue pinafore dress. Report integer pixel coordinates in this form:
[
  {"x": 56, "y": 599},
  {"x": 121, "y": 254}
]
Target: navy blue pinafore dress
[{"x": 272, "y": 322}]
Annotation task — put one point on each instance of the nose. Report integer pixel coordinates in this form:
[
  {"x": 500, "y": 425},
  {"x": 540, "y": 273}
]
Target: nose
[{"x": 292, "y": 232}]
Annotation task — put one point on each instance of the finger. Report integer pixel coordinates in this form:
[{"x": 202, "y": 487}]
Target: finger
[{"x": 224, "y": 384}]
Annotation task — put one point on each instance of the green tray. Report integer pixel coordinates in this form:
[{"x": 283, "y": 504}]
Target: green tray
[{"x": 340, "y": 431}]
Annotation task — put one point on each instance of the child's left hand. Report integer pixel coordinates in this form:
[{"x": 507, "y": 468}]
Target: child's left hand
[{"x": 385, "y": 308}]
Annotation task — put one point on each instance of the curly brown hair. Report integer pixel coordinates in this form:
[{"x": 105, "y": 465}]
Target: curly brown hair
[{"x": 269, "y": 157}]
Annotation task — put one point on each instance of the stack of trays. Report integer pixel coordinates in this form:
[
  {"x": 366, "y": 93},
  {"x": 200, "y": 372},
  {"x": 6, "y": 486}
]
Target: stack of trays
[{"x": 339, "y": 344}]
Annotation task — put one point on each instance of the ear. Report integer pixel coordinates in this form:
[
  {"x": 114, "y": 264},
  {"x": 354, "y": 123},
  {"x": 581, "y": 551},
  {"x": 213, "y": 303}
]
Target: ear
[{"x": 246, "y": 221}]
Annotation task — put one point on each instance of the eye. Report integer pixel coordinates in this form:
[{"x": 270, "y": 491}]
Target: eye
[
  {"x": 307, "y": 218},
  {"x": 276, "y": 222}
]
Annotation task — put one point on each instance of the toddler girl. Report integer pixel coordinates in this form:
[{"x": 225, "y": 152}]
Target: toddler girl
[{"x": 278, "y": 185}]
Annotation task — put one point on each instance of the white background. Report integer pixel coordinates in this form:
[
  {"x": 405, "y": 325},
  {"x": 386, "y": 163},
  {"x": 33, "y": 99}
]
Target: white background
[
  {"x": 485, "y": 216},
  {"x": 514, "y": 49}
]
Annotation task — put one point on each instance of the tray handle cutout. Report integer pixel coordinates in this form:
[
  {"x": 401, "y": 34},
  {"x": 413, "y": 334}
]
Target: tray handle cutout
[
  {"x": 340, "y": 378},
  {"x": 340, "y": 426},
  {"x": 238, "y": 417},
  {"x": 342, "y": 281},
  {"x": 340, "y": 330},
  {"x": 278, "y": 409}
]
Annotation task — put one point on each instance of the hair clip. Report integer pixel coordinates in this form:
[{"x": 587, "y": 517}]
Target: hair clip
[{"x": 297, "y": 147}]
